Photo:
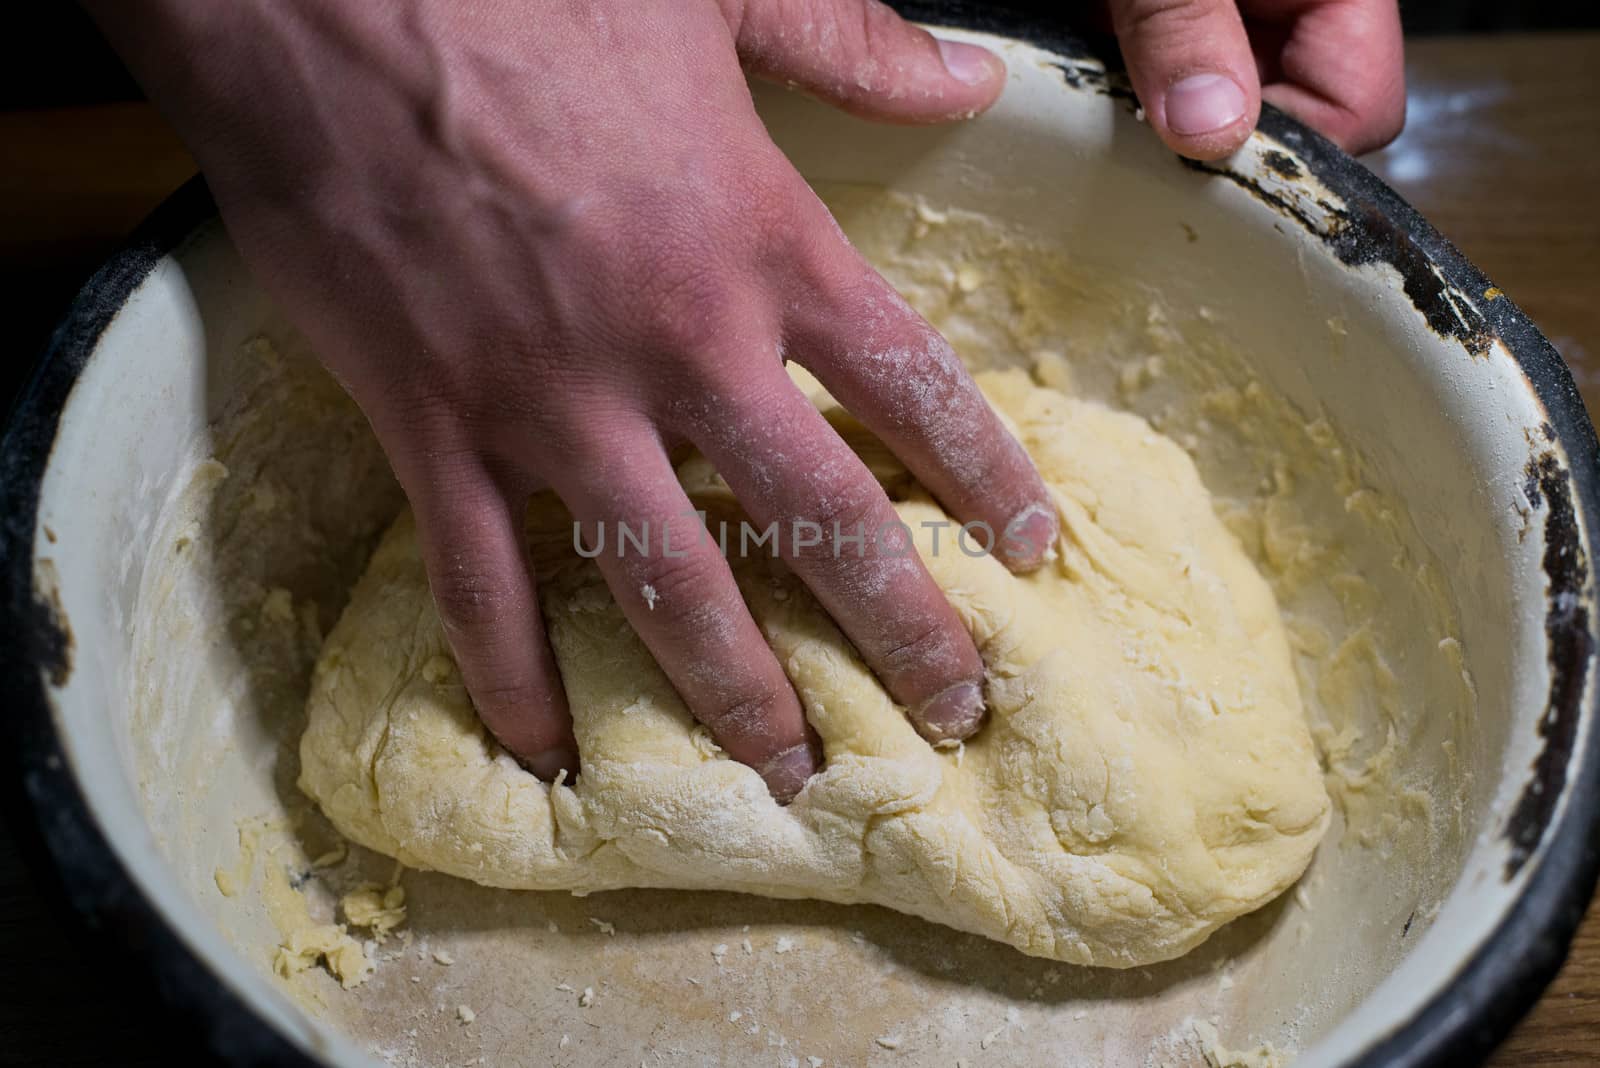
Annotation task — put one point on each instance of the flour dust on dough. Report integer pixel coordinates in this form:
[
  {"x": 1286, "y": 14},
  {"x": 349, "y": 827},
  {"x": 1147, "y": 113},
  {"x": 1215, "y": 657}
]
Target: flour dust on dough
[{"x": 1146, "y": 774}]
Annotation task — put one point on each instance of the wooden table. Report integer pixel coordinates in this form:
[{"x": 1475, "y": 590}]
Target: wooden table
[{"x": 1502, "y": 153}]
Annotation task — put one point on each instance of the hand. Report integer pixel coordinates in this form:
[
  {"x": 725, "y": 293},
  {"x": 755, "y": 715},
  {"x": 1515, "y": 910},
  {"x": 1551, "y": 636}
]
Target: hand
[
  {"x": 1202, "y": 67},
  {"x": 543, "y": 242}
]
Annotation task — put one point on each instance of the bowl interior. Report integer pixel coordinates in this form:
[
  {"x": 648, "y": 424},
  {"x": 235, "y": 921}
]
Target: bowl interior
[{"x": 1373, "y": 468}]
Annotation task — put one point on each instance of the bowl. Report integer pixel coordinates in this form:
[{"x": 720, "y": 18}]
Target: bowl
[{"x": 187, "y": 499}]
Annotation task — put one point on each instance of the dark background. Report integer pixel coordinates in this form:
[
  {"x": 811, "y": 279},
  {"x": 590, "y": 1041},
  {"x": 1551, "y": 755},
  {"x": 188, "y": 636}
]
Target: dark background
[{"x": 60, "y": 59}]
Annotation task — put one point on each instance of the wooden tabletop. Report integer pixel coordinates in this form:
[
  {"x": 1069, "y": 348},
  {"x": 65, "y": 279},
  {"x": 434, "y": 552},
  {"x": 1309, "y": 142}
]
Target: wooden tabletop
[{"x": 1502, "y": 153}]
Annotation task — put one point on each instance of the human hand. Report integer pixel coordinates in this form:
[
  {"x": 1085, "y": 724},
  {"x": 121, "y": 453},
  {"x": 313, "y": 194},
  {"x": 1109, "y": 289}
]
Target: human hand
[
  {"x": 1201, "y": 68},
  {"x": 541, "y": 243}
]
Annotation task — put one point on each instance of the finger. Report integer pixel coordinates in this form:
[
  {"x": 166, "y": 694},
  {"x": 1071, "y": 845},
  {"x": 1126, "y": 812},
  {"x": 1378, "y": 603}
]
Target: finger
[
  {"x": 680, "y": 596},
  {"x": 861, "y": 56},
  {"x": 472, "y": 548},
  {"x": 1191, "y": 65},
  {"x": 1340, "y": 69},
  {"x": 839, "y": 533},
  {"x": 901, "y": 378}
]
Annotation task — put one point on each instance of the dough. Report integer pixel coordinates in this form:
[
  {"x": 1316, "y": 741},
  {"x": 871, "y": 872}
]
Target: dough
[{"x": 1146, "y": 776}]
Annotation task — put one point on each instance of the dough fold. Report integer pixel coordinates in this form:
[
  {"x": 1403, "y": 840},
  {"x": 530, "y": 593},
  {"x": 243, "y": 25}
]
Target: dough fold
[{"x": 1146, "y": 775}]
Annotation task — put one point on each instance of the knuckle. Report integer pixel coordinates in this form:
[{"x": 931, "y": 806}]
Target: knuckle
[
  {"x": 693, "y": 273},
  {"x": 680, "y": 587},
  {"x": 818, "y": 256},
  {"x": 469, "y": 597},
  {"x": 686, "y": 306},
  {"x": 997, "y": 469},
  {"x": 448, "y": 413},
  {"x": 493, "y": 701},
  {"x": 852, "y": 33},
  {"x": 924, "y": 649},
  {"x": 588, "y": 438},
  {"x": 848, "y": 509},
  {"x": 762, "y": 190},
  {"x": 525, "y": 717},
  {"x": 766, "y": 211},
  {"x": 696, "y": 278},
  {"x": 417, "y": 424},
  {"x": 879, "y": 34},
  {"x": 852, "y": 507},
  {"x": 910, "y": 374},
  {"x": 984, "y": 474},
  {"x": 751, "y": 715},
  {"x": 431, "y": 465}
]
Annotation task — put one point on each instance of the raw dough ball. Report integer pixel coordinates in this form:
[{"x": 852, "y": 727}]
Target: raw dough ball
[{"x": 1146, "y": 776}]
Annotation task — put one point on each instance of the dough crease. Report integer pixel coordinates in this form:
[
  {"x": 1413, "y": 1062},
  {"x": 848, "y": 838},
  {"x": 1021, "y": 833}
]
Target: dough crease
[{"x": 1146, "y": 775}]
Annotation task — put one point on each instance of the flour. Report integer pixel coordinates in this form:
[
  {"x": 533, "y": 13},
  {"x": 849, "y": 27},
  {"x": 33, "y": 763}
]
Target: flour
[{"x": 1147, "y": 774}]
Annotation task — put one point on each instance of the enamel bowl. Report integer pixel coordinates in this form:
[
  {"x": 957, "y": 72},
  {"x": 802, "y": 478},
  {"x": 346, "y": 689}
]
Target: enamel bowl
[{"x": 187, "y": 499}]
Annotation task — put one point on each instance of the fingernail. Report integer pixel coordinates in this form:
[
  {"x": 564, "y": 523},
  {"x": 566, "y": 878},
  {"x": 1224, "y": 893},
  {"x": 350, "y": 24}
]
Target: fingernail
[
  {"x": 787, "y": 772},
  {"x": 550, "y": 763},
  {"x": 952, "y": 715},
  {"x": 1203, "y": 103},
  {"x": 1030, "y": 536},
  {"x": 966, "y": 63}
]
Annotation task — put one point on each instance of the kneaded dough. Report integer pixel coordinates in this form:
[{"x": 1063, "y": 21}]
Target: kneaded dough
[{"x": 1145, "y": 777}]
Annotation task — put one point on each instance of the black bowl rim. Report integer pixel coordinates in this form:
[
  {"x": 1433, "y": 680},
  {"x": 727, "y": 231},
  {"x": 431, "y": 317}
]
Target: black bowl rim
[{"x": 1460, "y": 1024}]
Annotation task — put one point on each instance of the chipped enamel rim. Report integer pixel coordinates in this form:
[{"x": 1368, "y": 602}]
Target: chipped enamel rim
[{"x": 1553, "y": 831}]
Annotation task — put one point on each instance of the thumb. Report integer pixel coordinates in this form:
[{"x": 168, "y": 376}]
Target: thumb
[
  {"x": 1191, "y": 64},
  {"x": 860, "y": 56}
]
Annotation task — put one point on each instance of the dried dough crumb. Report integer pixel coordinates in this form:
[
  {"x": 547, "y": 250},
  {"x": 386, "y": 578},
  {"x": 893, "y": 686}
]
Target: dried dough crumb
[{"x": 375, "y": 909}]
